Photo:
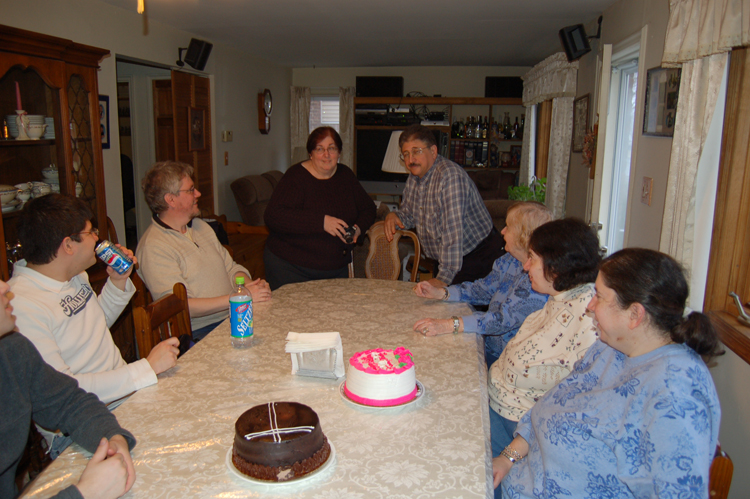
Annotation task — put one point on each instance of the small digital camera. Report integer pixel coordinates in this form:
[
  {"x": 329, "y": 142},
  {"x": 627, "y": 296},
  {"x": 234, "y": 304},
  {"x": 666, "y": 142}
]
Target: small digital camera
[{"x": 349, "y": 234}]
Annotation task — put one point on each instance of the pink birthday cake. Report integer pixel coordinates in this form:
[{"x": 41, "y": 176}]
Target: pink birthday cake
[{"x": 381, "y": 377}]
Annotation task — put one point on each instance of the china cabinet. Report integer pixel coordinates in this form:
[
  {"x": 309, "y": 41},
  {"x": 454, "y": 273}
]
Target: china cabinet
[{"x": 57, "y": 78}]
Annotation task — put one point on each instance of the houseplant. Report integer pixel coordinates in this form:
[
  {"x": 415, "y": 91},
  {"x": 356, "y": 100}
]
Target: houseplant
[{"x": 535, "y": 191}]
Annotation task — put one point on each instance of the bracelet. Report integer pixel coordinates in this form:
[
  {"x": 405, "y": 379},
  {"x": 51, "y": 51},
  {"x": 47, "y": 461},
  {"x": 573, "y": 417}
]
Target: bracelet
[
  {"x": 456, "y": 324},
  {"x": 511, "y": 454},
  {"x": 446, "y": 295}
]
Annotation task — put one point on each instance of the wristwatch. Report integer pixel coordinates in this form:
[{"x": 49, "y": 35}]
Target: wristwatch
[{"x": 456, "y": 324}]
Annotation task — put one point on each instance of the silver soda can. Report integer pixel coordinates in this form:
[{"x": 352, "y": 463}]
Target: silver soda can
[{"x": 113, "y": 256}]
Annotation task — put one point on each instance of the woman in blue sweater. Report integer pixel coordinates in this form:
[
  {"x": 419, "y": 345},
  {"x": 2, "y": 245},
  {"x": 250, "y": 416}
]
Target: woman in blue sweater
[
  {"x": 506, "y": 289},
  {"x": 639, "y": 415}
]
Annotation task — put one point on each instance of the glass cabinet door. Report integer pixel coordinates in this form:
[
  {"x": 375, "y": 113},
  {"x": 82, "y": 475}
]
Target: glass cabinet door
[
  {"x": 29, "y": 167},
  {"x": 81, "y": 135}
]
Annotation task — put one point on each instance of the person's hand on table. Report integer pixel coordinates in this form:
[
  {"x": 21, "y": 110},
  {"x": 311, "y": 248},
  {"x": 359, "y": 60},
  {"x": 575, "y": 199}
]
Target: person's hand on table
[
  {"x": 260, "y": 290},
  {"x": 437, "y": 283},
  {"x": 164, "y": 355},
  {"x": 118, "y": 445},
  {"x": 121, "y": 280},
  {"x": 435, "y": 327},
  {"x": 391, "y": 224},
  {"x": 427, "y": 290},
  {"x": 107, "y": 476}
]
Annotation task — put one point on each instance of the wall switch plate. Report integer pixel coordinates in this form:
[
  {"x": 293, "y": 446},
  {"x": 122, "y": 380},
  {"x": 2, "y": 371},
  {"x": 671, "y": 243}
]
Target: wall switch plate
[
  {"x": 646, "y": 189},
  {"x": 227, "y": 136}
]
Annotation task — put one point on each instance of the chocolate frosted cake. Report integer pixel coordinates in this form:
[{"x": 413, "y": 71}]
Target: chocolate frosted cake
[{"x": 279, "y": 441}]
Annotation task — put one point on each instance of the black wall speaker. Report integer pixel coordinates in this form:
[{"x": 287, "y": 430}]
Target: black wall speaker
[
  {"x": 380, "y": 86},
  {"x": 575, "y": 42},
  {"x": 503, "y": 86},
  {"x": 197, "y": 53}
]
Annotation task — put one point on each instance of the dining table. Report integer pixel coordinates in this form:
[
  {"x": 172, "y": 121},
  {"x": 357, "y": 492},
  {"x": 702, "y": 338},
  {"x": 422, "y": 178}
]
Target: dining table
[{"x": 435, "y": 446}]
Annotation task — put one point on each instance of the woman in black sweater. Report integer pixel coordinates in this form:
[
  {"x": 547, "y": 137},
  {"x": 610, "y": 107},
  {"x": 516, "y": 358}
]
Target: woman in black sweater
[{"x": 309, "y": 213}]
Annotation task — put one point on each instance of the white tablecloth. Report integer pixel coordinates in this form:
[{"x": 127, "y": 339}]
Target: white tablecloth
[{"x": 435, "y": 447}]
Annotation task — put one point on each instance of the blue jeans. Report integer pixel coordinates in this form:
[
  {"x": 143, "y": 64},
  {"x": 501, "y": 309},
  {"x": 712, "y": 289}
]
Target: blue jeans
[
  {"x": 501, "y": 435},
  {"x": 59, "y": 444},
  {"x": 200, "y": 333}
]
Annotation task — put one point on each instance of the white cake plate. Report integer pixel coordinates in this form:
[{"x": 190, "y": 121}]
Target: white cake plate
[
  {"x": 420, "y": 392},
  {"x": 303, "y": 480}
]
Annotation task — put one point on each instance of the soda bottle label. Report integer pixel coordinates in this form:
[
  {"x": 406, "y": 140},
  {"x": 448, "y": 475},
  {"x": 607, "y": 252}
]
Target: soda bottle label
[{"x": 241, "y": 318}]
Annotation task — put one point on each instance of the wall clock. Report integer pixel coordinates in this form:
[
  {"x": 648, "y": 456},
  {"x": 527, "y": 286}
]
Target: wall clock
[{"x": 265, "y": 106}]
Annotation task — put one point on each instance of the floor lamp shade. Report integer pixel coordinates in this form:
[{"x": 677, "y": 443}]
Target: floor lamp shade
[{"x": 392, "y": 163}]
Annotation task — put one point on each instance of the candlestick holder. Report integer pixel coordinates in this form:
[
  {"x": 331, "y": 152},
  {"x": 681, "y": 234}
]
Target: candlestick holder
[{"x": 22, "y": 120}]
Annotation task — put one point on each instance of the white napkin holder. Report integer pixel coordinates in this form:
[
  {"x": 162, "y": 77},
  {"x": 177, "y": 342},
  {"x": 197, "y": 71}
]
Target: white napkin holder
[{"x": 318, "y": 355}]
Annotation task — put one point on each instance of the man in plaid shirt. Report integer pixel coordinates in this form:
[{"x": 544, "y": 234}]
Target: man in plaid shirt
[{"x": 443, "y": 204}]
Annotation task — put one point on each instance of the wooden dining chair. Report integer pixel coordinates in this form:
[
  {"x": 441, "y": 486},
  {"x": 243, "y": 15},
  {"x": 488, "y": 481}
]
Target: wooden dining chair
[
  {"x": 720, "y": 475},
  {"x": 167, "y": 317},
  {"x": 383, "y": 261}
]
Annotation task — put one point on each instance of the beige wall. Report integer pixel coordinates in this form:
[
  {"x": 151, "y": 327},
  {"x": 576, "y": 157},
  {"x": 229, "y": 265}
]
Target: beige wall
[
  {"x": 237, "y": 78},
  {"x": 445, "y": 81}
]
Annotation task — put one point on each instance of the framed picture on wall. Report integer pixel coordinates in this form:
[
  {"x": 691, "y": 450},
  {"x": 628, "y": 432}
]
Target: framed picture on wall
[
  {"x": 104, "y": 120},
  {"x": 580, "y": 121},
  {"x": 662, "y": 92},
  {"x": 196, "y": 129}
]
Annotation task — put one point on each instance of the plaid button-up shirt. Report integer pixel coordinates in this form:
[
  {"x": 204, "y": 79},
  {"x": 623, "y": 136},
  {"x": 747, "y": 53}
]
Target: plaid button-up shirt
[{"x": 448, "y": 213}]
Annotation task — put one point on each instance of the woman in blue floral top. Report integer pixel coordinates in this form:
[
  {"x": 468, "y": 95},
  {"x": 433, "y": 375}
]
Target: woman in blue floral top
[
  {"x": 506, "y": 289},
  {"x": 639, "y": 415}
]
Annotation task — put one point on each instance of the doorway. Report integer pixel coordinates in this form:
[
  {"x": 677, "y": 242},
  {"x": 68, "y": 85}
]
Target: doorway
[{"x": 137, "y": 144}]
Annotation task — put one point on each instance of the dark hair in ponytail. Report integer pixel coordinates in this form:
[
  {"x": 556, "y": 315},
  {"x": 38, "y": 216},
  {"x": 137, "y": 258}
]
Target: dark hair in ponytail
[{"x": 657, "y": 282}]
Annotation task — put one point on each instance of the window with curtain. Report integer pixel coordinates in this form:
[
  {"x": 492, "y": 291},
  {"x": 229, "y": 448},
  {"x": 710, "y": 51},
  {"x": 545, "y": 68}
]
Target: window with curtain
[
  {"x": 729, "y": 262},
  {"x": 324, "y": 111}
]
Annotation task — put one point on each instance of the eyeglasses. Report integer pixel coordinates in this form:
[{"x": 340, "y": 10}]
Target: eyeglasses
[
  {"x": 190, "y": 191},
  {"x": 94, "y": 231},
  {"x": 322, "y": 150},
  {"x": 417, "y": 151}
]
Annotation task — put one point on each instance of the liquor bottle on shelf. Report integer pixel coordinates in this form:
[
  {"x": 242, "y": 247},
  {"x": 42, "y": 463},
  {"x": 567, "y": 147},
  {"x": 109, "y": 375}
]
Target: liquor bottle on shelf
[
  {"x": 516, "y": 127},
  {"x": 520, "y": 127},
  {"x": 494, "y": 132},
  {"x": 485, "y": 128},
  {"x": 469, "y": 132},
  {"x": 478, "y": 128},
  {"x": 506, "y": 125}
]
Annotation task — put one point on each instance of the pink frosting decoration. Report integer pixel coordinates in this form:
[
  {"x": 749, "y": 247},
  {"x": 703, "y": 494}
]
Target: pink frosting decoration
[
  {"x": 381, "y": 403},
  {"x": 402, "y": 354}
]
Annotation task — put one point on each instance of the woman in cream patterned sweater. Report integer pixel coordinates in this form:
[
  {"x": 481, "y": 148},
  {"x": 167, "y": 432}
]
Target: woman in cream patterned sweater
[{"x": 563, "y": 262}]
